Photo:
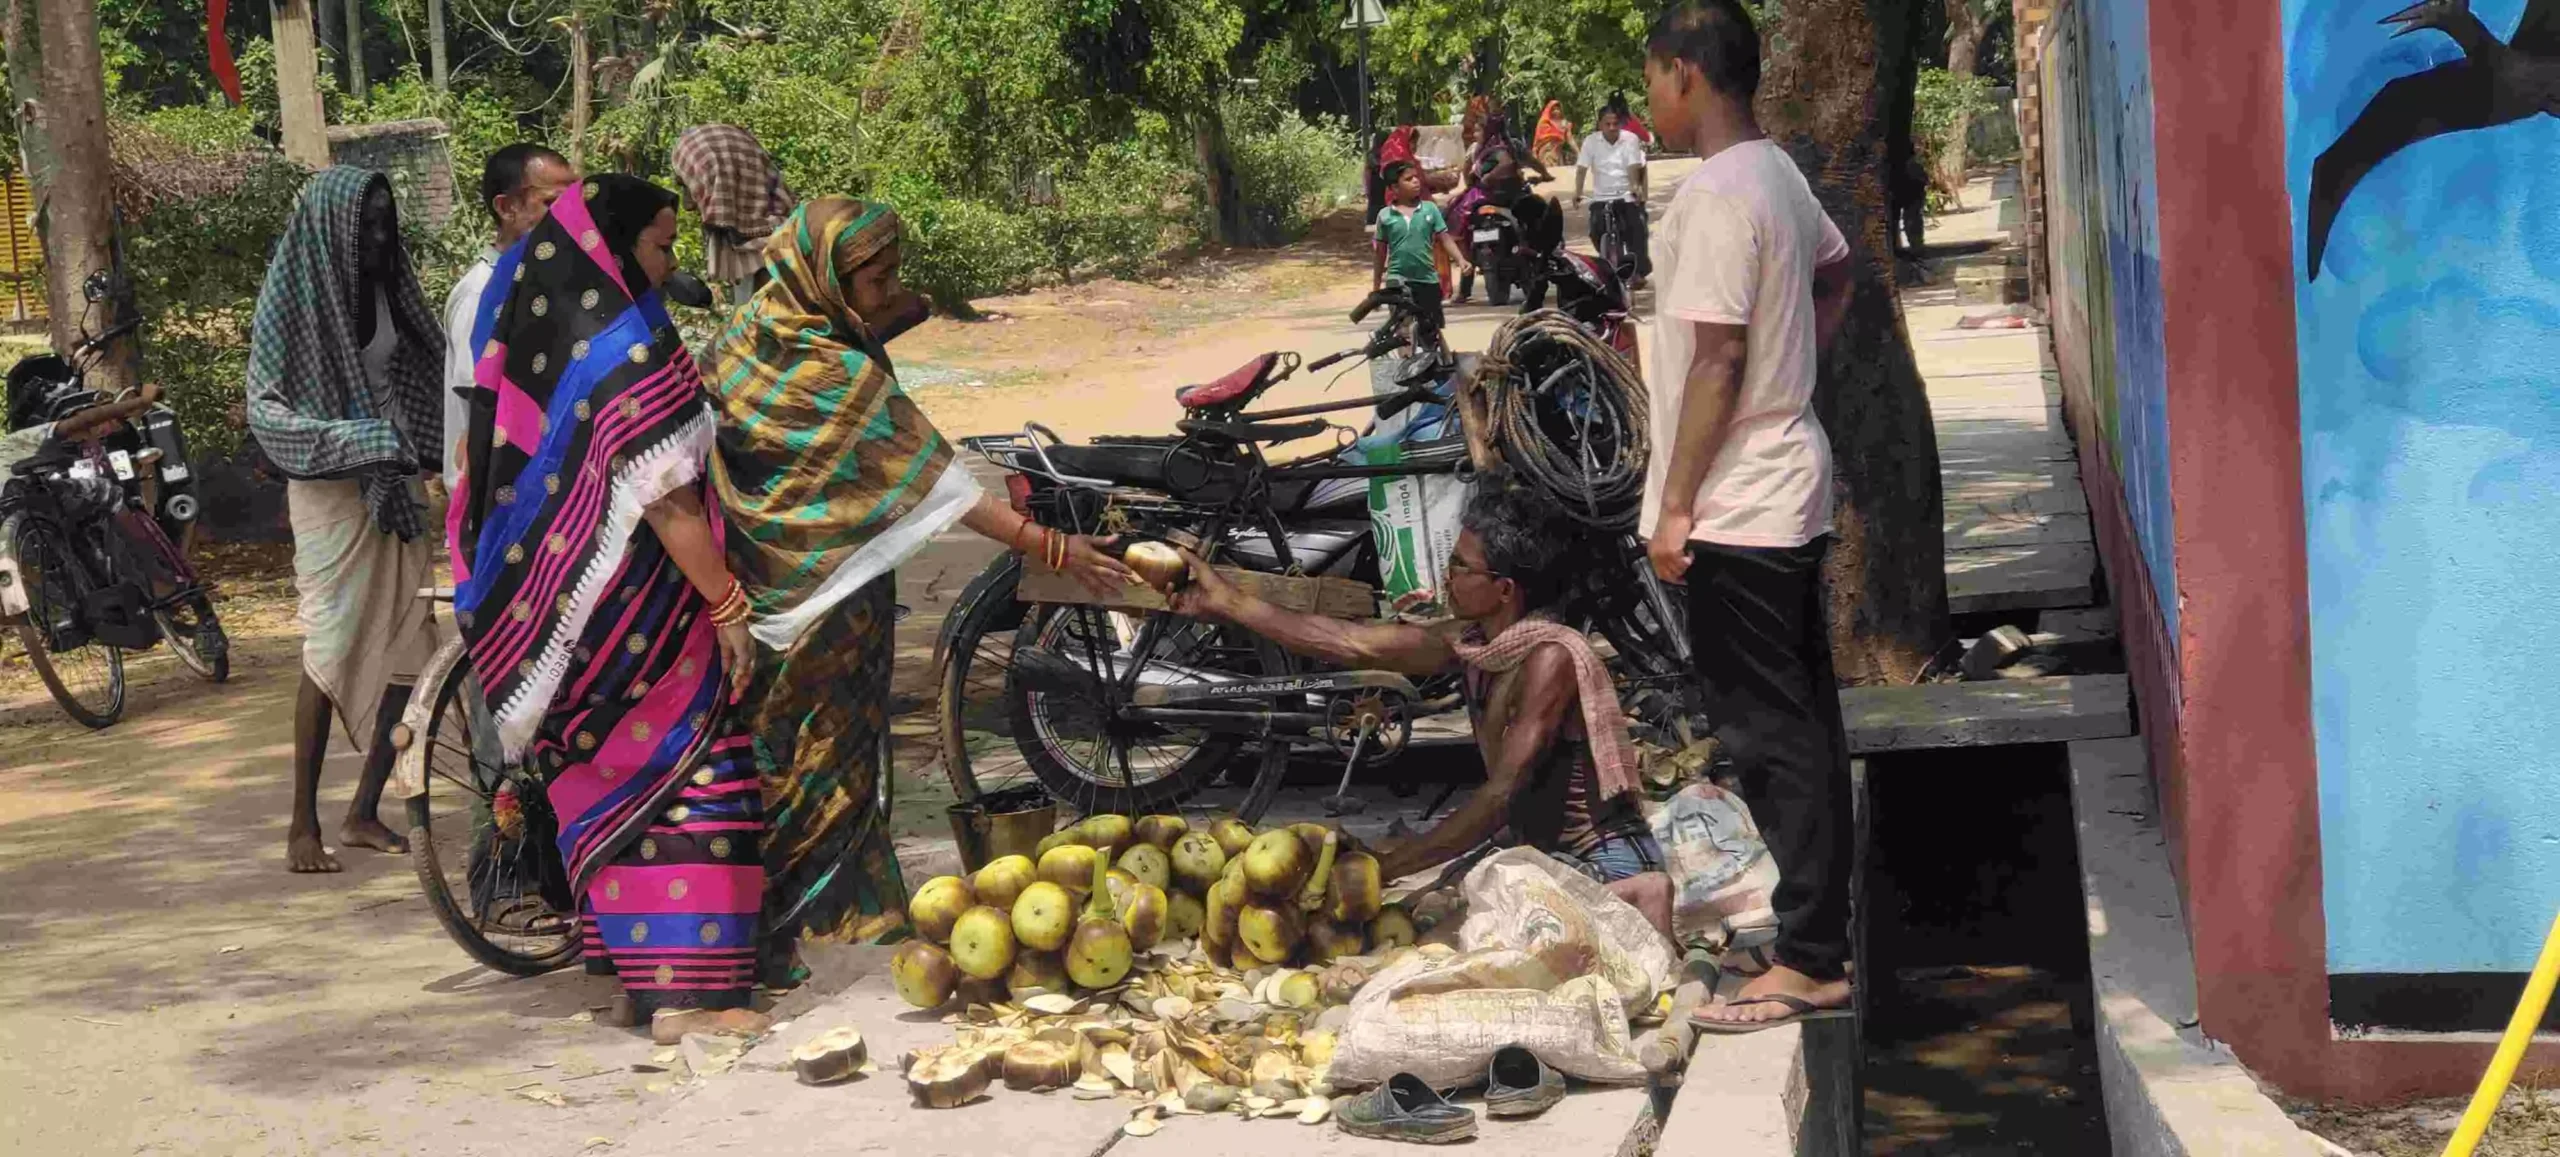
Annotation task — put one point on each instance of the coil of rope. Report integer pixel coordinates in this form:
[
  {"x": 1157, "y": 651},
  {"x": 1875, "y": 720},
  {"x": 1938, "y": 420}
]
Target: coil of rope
[{"x": 1565, "y": 412}]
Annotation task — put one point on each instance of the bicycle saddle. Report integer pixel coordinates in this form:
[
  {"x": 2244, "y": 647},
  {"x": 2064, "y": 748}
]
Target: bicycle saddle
[{"x": 1236, "y": 388}]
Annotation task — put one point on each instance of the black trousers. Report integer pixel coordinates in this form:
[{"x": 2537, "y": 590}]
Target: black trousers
[
  {"x": 1762, "y": 641},
  {"x": 1631, "y": 229},
  {"x": 1429, "y": 317}
]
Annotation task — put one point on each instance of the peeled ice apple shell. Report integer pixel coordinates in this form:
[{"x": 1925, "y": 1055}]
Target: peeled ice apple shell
[
  {"x": 948, "y": 1079},
  {"x": 1037, "y": 1064},
  {"x": 831, "y": 1056}
]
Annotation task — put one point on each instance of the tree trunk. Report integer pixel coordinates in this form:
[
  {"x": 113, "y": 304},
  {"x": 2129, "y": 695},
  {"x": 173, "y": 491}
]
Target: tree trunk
[
  {"x": 355, "y": 49},
  {"x": 1965, "y": 32},
  {"x": 306, "y": 140},
  {"x": 435, "y": 44},
  {"x": 1218, "y": 172},
  {"x": 581, "y": 92},
  {"x": 75, "y": 197},
  {"x": 1838, "y": 71},
  {"x": 326, "y": 16}
]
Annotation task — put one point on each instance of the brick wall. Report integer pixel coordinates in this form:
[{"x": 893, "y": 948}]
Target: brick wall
[
  {"x": 2030, "y": 18},
  {"x": 413, "y": 153}
]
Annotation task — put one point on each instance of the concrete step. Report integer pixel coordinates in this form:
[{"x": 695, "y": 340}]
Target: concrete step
[
  {"x": 2015, "y": 578},
  {"x": 2050, "y": 709}
]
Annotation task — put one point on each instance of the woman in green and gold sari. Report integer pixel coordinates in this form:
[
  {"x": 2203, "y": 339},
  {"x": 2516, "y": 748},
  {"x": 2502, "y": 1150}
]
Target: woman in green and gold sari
[{"x": 830, "y": 477}]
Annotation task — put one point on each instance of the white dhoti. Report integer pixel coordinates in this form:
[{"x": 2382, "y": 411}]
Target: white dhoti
[{"x": 363, "y": 625}]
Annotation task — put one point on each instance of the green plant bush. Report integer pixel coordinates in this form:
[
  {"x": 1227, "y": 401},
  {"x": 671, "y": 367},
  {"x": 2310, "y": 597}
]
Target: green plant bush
[
  {"x": 1942, "y": 100},
  {"x": 957, "y": 249},
  {"x": 1288, "y": 169}
]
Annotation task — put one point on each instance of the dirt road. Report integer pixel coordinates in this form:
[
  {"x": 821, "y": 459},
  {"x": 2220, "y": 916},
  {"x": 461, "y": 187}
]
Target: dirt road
[{"x": 166, "y": 987}]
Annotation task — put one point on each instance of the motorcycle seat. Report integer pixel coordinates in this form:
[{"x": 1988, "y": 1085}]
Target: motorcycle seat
[
  {"x": 1235, "y": 388},
  {"x": 1139, "y": 464},
  {"x": 1241, "y": 432}
]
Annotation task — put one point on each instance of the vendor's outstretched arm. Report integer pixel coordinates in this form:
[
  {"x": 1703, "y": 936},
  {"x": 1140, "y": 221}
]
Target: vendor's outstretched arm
[
  {"x": 1514, "y": 746},
  {"x": 1396, "y": 647}
]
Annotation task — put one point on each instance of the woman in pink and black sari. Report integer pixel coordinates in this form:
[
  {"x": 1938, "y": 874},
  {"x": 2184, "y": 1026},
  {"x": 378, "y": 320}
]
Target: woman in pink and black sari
[{"x": 603, "y": 622}]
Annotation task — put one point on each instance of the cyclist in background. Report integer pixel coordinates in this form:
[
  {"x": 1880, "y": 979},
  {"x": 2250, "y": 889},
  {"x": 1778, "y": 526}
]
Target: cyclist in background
[{"x": 1613, "y": 160}]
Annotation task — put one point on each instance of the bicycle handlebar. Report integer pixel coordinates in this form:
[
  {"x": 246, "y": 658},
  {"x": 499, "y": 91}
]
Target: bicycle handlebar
[
  {"x": 1329, "y": 359},
  {"x": 90, "y": 344}
]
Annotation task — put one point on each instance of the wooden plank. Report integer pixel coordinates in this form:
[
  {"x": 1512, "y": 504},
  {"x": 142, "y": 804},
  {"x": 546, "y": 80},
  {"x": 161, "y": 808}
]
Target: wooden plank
[
  {"x": 2051, "y": 709},
  {"x": 2007, "y": 578},
  {"x": 1333, "y": 597}
]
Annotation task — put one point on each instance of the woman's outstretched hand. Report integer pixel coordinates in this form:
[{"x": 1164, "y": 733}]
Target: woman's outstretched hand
[
  {"x": 738, "y": 653},
  {"x": 1099, "y": 570}
]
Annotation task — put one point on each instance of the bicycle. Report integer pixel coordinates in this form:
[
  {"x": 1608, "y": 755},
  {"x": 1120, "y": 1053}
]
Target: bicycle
[
  {"x": 94, "y": 528},
  {"x": 482, "y": 837},
  {"x": 1110, "y": 710}
]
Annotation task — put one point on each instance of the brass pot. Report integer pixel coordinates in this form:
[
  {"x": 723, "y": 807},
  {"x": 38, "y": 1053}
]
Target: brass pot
[{"x": 1008, "y": 823}]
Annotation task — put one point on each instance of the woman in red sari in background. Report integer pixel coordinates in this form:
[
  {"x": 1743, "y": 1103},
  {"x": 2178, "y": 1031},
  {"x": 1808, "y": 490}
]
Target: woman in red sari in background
[
  {"x": 602, "y": 620},
  {"x": 1552, "y": 143}
]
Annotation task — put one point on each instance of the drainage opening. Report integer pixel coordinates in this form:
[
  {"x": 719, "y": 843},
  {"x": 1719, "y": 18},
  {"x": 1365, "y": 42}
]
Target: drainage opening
[{"x": 1978, "y": 1033}]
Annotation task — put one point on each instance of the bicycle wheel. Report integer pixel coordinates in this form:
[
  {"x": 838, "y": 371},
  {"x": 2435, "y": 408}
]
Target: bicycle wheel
[
  {"x": 1096, "y": 764},
  {"x": 997, "y": 733},
  {"x": 195, "y": 637},
  {"x": 490, "y": 868},
  {"x": 85, "y": 675}
]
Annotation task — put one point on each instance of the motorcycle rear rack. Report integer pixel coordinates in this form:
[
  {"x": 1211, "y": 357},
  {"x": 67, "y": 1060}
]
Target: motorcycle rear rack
[{"x": 989, "y": 446}]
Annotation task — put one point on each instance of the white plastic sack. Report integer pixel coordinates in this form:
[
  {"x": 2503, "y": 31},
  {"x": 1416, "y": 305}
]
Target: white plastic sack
[
  {"x": 1720, "y": 868},
  {"x": 1549, "y": 960},
  {"x": 1414, "y": 519}
]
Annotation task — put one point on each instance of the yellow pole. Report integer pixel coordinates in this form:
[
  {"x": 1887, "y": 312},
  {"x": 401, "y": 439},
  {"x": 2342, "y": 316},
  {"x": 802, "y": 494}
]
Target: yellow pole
[{"x": 2502, "y": 1065}]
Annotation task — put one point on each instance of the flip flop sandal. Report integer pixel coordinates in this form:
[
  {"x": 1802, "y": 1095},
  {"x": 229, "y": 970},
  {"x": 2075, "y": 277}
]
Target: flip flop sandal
[
  {"x": 1405, "y": 1109},
  {"x": 1799, "y": 1010},
  {"x": 1750, "y": 961}
]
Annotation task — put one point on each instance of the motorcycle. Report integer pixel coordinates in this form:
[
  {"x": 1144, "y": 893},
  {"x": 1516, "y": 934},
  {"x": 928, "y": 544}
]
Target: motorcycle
[{"x": 1493, "y": 234}]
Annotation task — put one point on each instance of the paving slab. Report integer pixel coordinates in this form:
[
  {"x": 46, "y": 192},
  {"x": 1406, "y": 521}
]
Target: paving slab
[
  {"x": 2008, "y": 578},
  {"x": 2170, "y": 1091},
  {"x": 1984, "y": 527},
  {"x": 1589, "y": 1122},
  {"x": 2047, "y": 709},
  {"x": 1732, "y": 1100},
  {"x": 761, "y": 1108}
]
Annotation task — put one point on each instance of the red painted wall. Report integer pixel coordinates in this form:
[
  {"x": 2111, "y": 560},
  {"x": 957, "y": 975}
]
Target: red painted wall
[{"x": 2234, "y": 757}]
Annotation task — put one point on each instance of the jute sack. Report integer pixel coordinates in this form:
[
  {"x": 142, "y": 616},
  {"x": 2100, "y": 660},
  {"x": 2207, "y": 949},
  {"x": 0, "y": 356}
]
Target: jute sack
[{"x": 1548, "y": 960}]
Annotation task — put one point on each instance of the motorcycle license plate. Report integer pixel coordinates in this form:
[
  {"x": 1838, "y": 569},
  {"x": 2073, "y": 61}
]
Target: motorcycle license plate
[
  {"x": 1488, "y": 234},
  {"x": 84, "y": 469},
  {"x": 122, "y": 463}
]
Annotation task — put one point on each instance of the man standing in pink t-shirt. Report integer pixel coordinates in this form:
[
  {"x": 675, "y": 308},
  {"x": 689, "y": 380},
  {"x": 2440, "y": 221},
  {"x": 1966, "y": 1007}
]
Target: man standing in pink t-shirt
[{"x": 1751, "y": 278}]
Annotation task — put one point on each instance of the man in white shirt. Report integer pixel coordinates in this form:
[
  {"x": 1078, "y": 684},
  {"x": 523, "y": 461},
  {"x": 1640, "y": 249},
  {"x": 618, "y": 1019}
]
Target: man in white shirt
[
  {"x": 518, "y": 185},
  {"x": 1613, "y": 160},
  {"x": 1752, "y": 278}
]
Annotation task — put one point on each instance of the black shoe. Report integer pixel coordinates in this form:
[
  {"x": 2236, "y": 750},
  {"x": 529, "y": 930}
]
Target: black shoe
[{"x": 1518, "y": 1084}]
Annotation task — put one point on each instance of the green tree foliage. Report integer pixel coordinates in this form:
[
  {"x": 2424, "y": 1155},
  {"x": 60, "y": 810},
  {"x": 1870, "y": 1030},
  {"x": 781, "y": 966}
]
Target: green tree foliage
[
  {"x": 1432, "y": 54},
  {"x": 1022, "y": 140}
]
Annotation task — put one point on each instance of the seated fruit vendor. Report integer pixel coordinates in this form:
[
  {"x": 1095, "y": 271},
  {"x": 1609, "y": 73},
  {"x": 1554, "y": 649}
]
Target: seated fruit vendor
[{"x": 1559, "y": 768}]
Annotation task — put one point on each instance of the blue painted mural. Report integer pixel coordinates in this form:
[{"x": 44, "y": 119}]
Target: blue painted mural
[
  {"x": 2429, "y": 197},
  {"x": 2104, "y": 201}
]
